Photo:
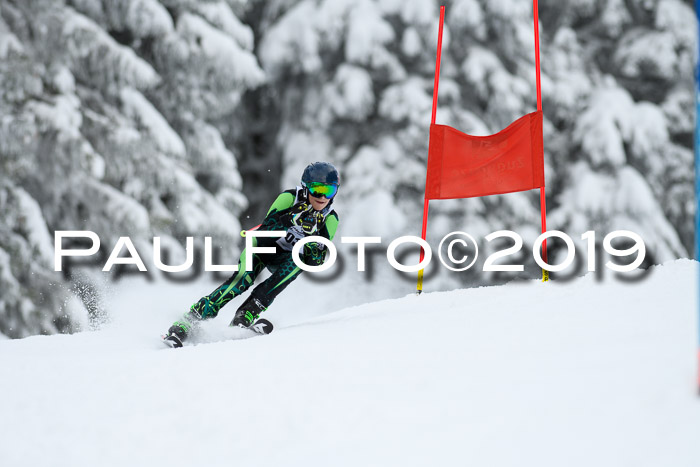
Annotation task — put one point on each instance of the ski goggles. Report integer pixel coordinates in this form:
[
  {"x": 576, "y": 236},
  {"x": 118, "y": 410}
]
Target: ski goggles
[{"x": 317, "y": 189}]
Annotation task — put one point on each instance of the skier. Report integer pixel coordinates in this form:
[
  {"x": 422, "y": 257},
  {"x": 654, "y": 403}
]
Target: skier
[{"x": 301, "y": 212}]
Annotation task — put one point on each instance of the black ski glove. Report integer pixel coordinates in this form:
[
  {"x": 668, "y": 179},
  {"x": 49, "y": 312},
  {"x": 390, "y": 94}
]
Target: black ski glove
[{"x": 314, "y": 254}]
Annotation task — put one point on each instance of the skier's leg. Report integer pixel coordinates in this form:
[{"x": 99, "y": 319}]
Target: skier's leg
[
  {"x": 208, "y": 306},
  {"x": 264, "y": 294}
]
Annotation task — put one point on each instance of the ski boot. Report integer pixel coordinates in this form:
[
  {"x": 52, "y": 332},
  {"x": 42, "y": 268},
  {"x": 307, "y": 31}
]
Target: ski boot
[
  {"x": 247, "y": 313},
  {"x": 178, "y": 332},
  {"x": 175, "y": 336}
]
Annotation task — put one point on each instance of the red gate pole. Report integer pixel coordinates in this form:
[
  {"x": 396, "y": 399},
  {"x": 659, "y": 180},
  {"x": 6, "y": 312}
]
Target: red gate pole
[
  {"x": 543, "y": 199},
  {"x": 426, "y": 201}
]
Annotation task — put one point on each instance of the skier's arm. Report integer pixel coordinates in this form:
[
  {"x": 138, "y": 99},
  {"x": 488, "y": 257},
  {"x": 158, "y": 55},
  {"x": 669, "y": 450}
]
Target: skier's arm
[
  {"x": 331, "y": 226},
  {"x": 284, "y": 201},
  {"x": 315, "y": 253}
]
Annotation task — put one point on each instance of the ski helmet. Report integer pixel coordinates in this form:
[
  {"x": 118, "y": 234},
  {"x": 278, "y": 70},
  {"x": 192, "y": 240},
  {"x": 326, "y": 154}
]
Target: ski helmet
[{"x": 321, "y": 178}]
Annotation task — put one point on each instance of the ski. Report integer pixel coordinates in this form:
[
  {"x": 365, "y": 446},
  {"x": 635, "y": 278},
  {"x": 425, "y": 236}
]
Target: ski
[
  {"x": 261, "y": 326},
  {"x": 172, "y": 341}
]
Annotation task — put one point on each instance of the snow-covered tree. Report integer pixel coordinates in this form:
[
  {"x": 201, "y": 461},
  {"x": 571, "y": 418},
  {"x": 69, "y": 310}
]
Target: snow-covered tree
[
  {"x": 108, "y": 125},
  {"x": 356, "y": 81},
  {"x": 153, "y": 117}
]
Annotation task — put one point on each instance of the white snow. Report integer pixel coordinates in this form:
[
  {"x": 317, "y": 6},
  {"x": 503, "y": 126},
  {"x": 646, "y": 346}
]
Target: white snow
[
  {"x": 469, "y": 15},
  {"x": 83, "y": 38},
  {"x": 143, "y": 18},
  {"x": 581, "y": 373},
  {"x": 417, "y": 12},
  {"x": 585, "y": 8},
  {"x": 620, "y": 201},
  {"x": 604, "y": 125},
  {"x": 137, "y": 107},
  {"x": 367, "y": 33},
  {"x": 63, "y": 80},
  {"x": 208, "y": 152},
  {"x": 148, "y": 18},
  {"x": 233, "y": 63},
  {"x": 315, "y": 145},
  {"x": 615, "y": 17},
  {"x": 406, "y": 100},
  {"x": 291, "y": 42},
  {"x": 411, "y": 44},
  {"x": 639, "y": 52},
  {"x": 377, "y": 203},
  {"x": 26, "y": 218},
  {"x": 510, "y": 8},
  {"x": 679, "y": 109},
  {"x": 649, "y": 134},
  {"x": 64, "y": 115},
  {"x": 350, "y": 94},
  {"x": 125, "y": 213},
  {"x": 679, "y": 19},
  {"x": 8, "y": 42},
  {"x": 198, "y": 208},
  {"x": 479, "y": 65},
  {"x": 220, "y": 15}
]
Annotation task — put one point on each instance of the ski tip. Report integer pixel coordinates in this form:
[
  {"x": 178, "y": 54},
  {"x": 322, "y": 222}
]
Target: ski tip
[
  {"x": 167, "y": 343},
  {"x": 171, "y": 341},
  {"x": 262, "y": 326}
]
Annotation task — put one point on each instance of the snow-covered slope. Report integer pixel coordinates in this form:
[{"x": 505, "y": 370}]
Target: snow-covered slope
[{"x": 577, "y": 374}]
